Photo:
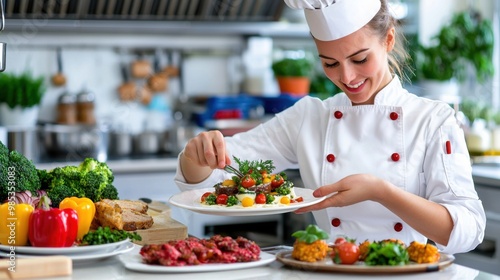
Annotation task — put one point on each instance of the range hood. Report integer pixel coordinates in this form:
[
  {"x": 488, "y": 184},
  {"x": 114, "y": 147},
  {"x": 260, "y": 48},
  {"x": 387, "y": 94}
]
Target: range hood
[{"x": 141, "y": 15}]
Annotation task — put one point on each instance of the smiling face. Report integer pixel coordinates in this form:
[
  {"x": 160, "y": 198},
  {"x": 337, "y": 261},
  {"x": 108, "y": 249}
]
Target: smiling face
[{"x": 358, "y": 63}]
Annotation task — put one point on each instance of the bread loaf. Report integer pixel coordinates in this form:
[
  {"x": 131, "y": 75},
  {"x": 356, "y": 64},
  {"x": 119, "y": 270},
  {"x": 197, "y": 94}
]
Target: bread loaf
[{"x": 122, "y": 214}]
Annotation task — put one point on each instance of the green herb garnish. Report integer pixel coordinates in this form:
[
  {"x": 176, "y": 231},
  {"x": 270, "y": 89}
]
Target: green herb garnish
[
  {"x": 105, "y": 235},
  {"x": 311, "y": 234}
]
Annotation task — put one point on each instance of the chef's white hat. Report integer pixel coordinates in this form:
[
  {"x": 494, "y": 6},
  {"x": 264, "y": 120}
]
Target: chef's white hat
[{"x": 333, "y": 19}]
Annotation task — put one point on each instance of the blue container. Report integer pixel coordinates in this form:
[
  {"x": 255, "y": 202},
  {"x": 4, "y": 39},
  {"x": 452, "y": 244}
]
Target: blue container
[
  {"x": 273, "y": 105},
  {"x": 228, "y": 107}
]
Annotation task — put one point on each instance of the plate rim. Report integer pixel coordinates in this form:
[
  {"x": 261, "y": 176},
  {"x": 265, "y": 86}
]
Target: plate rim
[
  {"x": 284, "y": 257},
  {"x": 173, "y": 200},
  {"x": 67, "y": 251},
  {"x": 89, "y": 256},
  {"x": 133, "y": 261}
]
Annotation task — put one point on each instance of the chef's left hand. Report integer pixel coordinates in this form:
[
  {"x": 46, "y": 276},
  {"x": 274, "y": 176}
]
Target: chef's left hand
[{"x": 350, "y": 190}]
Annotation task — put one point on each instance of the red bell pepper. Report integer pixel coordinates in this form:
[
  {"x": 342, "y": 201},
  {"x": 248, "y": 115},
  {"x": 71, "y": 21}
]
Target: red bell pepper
[{"x": 52, "y": 227}]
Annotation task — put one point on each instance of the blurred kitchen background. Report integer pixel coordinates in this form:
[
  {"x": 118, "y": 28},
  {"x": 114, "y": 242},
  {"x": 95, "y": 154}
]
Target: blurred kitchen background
[
  {"x": 129, "y": 81},
  {"x": 148, "y": 67}
]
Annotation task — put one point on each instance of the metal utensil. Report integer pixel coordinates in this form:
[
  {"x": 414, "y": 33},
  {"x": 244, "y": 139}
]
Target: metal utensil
[{"x": 233, "y": 170}]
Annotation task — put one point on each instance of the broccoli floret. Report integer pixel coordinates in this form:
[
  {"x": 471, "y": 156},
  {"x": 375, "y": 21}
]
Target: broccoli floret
[
  {"x": 45, "y": 178},
  {"x": 91, "y": 164},
  {"x": 97, "y": 180},
  {"x": 4, "y": 163},
  {"x": 60, "y": 189},
  {"x": 110, "y": 192},
  {"x": 91, "y": 179},
  {"x": 64, "y": 182},
  {"x": 93, "y": 183},
  {"x": 23, "y": 173}
]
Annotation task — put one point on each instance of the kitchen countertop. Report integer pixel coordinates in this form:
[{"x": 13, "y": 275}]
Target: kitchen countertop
[{"x": 112, "y": 268}]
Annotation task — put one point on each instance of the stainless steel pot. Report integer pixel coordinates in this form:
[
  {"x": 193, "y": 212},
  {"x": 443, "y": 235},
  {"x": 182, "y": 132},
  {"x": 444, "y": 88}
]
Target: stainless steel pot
[
  {"x": 75, "y": 142},
  {"x": 120, "y": 144},
  {"x": 147, "y": 142},
  {"x": 24, "y": 140}
]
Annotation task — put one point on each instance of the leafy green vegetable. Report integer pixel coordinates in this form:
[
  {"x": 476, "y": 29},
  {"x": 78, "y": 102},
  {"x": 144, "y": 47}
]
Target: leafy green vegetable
[
  {"x": 311, "y": 234},
  {"x": 386, "y": 253},
  {"x": 211, "y": 199},
  {"x": 269, "y": 198},
  {"x": 17, "y": 172},
  {"x": 254, "y": 168},
  {"x": 232, "y": 200},
  {"x": 285, "y": 188},
  {"x": 91, "y": 179},
  {"x": 105, "y": 235}
]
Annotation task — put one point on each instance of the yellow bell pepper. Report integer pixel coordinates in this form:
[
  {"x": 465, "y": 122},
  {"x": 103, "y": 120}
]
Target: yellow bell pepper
[
  {"x": 85, "y": 209},
  {"x": 14, "y": 223}
]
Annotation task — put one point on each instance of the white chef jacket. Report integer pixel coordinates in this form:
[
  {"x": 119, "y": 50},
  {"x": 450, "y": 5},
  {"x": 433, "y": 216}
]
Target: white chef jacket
[{"x": 401, "y": 138}]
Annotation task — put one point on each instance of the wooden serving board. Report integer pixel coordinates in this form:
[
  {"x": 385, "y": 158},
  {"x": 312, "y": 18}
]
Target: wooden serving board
[{"x": 164, "y": 228}]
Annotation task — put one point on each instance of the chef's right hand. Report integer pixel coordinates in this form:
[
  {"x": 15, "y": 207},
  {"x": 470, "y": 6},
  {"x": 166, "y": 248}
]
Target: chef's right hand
[{"x": 202, "y": 154}]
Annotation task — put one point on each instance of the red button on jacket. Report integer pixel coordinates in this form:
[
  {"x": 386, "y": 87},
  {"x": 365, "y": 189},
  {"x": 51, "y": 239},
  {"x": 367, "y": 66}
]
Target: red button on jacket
[
  {"x": 395, "y": 157},
  {"x": 336, "y": 222},
  {"x": 337, "y": 114},
  {"x": 394, "y": 116},
  {"x": 330, "y": 158},
  {"x": 398, "y": 227}
]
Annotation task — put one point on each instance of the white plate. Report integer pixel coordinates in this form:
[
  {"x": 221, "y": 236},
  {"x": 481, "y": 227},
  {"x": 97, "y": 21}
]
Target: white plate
[
  {"x": 191, "y": 200},
  {"x": 327, "y": 265},
  {"x": 84, "y": 258},
  {"x": 133, "y": 261},
  {"x": 74, "y": 250}
]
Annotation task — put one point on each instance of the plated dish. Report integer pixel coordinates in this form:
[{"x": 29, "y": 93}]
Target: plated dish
[
  {"x": 74, "y": 250},
  {"x": 133, "y": 261},
  {"x": 88, "y": 257},
  {"x": 191, "y": 200},
  {"x": 327, "y": 265}
]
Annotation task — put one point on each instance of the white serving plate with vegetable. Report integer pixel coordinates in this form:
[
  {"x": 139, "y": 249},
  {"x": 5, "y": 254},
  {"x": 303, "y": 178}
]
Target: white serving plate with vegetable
[{"x": 191, "y": 200}]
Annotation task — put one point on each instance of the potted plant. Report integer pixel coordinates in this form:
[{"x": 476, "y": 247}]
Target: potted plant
[
  {"x": 464, "y": 45},
  {"x": 293, "y": 75},
  {"x": 20, "y": 96}
]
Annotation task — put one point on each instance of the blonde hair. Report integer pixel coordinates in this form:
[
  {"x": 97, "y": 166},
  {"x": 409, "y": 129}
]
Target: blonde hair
[{"x": 381, "y": 23}]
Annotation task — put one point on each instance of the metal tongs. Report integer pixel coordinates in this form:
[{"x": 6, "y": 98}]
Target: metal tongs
[{"x": 233, "y": 170}]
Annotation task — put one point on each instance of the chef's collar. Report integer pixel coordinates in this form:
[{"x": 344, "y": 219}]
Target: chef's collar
[{"x": 333, "y": 19}]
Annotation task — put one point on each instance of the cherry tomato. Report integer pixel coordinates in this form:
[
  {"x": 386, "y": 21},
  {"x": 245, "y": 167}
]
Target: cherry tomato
[
  {"x": 204, "y": 196},
  {"x": 345, "y": 253},
  {"x": 277, "y": 181},
  {"x": 298, "y": 199},
  {"x": 221, "y": 199},
  {"x": 260, "y": 198},
  {"x": 340, "y": 240},
  {"x": 247, "y": 181}
]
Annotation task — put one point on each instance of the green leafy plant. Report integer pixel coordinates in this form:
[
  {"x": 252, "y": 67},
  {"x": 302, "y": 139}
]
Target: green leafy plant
[
  {"x": 467, "y": 40},
  {"x": 291, "y": 67},
  {"x": 22, "y": 90}
]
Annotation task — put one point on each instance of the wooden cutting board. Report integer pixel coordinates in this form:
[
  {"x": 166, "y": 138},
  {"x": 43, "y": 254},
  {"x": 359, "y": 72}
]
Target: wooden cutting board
[
  {"x": 164, "y": 228},
  {"x": 30, "y": 268}
]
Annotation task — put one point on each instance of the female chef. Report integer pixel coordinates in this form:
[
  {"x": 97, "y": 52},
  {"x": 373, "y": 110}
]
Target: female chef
[{"x": 392, "y": 165}]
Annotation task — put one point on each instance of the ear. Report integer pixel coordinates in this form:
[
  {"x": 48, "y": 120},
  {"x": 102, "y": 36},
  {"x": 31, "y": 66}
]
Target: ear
[{"x": 390, "y": 39}]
